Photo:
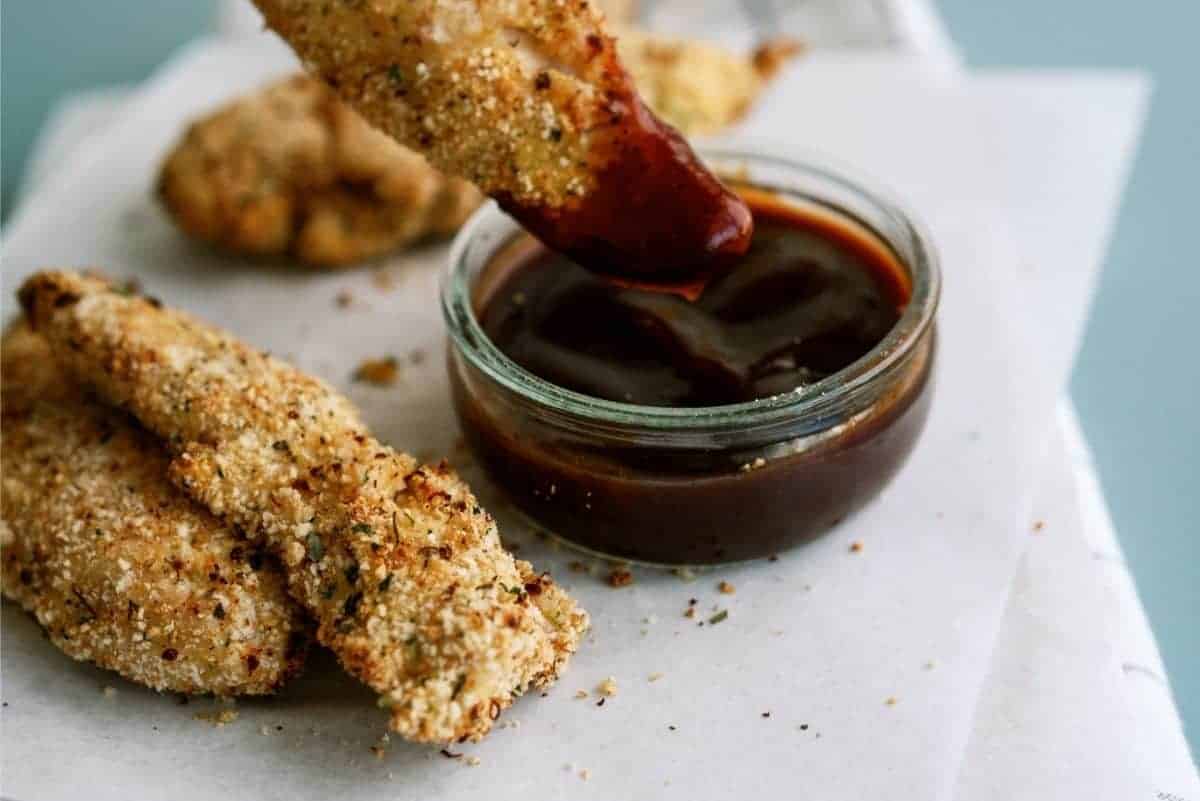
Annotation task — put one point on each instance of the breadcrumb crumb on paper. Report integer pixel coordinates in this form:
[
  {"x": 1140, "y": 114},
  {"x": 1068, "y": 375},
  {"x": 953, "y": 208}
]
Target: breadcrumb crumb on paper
[
  {"x": 219, "y": 718},
  {"x": 380, "y": 372},
  {"x": 620, "y": 577},
  {"x": 401, "y": 568}
]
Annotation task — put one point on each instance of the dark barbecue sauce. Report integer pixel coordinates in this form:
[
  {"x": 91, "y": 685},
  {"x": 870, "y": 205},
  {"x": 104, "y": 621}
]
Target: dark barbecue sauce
[{"x": 812, "y": 295}]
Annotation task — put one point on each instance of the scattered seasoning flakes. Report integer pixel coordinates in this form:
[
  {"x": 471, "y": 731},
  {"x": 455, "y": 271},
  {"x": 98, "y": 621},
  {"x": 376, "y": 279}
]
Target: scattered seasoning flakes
[
  {"x": 930, "y": 665},
  {"x": 856, "y": 547},
  {"x": 654, "y": 676},
  {"x": 685, "y": 573},
  {"x": 803, "y": 727},
  {"x": 416, "y": 357},
  {"x": 384, "y": 279},
  {"x": 379, "y": 749},
  {"x": 726, "y": 588},
  {"x": 766, "y": 714},
  {"x": 473, "y": 761},
  {"x": 217, "y": 718},
  {"x": 689, "y": 612},
  {"x": 585, "y": 774},
  {"x": 316, "y": 548},
  {"x": 891, "y": 701},
  {"x": 620, "y": 577},
  {"x": 1038, "y": 525},
  {"x": 380, "y": 372},
  {"x": 607, "y": 687},
  {"x": 718, "y": 617},
  {"x": 448, "y": 754},
  {"x": 601, "y": 702},
  {"x": 344, "y": 299},
  {"x": 109, "y": 692},
  {"x": 581, "y": 693},
  {"x": 672, "y": 727}
]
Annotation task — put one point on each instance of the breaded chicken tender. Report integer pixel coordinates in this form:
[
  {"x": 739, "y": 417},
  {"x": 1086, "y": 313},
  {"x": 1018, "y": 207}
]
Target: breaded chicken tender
[
  {"x": 698, "y": 87},
  {"x": 529, "y": 100},
  {"x": 399, "y": 565},
  {"x": 118, "y": 566},
  {"x": 291, "y": 171}
]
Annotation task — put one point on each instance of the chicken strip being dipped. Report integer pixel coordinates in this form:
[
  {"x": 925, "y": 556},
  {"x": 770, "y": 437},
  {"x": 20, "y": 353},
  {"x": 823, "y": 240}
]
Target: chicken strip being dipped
[
  {"x": 118, "y": 566},
  {"x": 529, "y": 100},
  {"x": 401, "y": 568}
]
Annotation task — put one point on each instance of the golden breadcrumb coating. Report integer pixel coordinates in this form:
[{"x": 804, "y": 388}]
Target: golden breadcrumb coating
[
  {"x": 401, "y": 568},
  {"x": 116, "y": 564},
  {"x": 290, "y": 170},
  {"x": 698, "y": 87}
]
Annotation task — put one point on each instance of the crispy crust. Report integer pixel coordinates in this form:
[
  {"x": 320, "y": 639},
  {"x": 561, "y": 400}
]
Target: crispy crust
[
  {"x": 117, "y": 565},
  {"x": 402, "y": 569},
  {"x": 290, "y": 170},
  {"x": 698, "y": 87}
]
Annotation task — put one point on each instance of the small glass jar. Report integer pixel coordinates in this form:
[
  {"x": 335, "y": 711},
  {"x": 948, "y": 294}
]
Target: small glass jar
[{"x": 699, "y": 486}]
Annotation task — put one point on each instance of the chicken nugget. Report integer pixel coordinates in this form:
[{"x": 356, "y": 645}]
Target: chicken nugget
[
  {"x": 401, "y": 568},
  {"x": 291, "y": 171},
  {"x": 118, "y": 566}
]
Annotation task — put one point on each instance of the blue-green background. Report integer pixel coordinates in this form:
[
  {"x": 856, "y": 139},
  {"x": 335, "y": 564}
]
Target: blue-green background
[{"x": 1138, "y": 379}]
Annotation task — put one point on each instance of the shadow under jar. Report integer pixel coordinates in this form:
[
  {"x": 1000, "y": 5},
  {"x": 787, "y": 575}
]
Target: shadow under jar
[{"x": 775, "y": 458}]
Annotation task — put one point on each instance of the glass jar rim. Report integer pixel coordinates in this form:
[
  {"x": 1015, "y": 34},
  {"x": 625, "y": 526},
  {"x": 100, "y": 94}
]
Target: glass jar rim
[{"x": 811, "y": 400}]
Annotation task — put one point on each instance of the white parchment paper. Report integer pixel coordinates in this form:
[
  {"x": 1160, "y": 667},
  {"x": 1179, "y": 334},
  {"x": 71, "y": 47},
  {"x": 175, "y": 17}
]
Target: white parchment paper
[{"x": 822, "y": 638}]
